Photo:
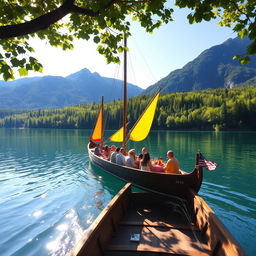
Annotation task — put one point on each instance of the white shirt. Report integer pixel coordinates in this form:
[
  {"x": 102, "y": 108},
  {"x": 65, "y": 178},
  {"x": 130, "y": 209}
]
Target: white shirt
[
  {"x": 129, "y": 162},
  {"x": 113, "y": 157}
]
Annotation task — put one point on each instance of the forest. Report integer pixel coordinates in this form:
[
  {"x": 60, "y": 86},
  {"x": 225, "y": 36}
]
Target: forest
[{"x": 213, "y": 109}]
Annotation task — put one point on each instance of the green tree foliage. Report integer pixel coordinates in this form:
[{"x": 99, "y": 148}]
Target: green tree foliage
[
  {"x": 219, "y": 109},
  {"x": 238, "y": 14},
  {"x": 59, "y": 22}
]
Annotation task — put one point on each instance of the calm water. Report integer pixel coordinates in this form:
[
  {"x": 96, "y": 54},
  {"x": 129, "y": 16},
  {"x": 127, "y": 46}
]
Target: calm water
[{"x": 50, "y": 193}]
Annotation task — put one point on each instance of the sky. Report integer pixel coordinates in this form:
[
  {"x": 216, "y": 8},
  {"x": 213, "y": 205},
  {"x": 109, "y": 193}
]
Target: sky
[{"x": 151, "y": 57}]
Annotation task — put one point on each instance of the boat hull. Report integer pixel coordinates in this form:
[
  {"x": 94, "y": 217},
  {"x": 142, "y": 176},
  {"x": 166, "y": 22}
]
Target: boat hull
[
  {"x": 151, "y": 224},
  {"x": 170, "y": 184}
]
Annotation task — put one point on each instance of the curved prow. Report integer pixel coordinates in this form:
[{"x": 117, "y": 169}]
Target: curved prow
[
  {"x": 199, "y": 172},
  {"x": 197, "y": 158}
]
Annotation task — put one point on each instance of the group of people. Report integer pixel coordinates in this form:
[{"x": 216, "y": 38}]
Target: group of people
[{"x": 143, "y": 162}]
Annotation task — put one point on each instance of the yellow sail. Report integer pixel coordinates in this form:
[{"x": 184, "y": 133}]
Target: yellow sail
[
  {"x": 141, "y": 129},
  {"x": 118, "y": 136},
  {"x": 98, "y": 129}
]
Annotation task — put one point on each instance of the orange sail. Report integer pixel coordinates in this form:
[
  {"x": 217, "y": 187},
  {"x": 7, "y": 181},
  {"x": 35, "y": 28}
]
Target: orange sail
[{"x": 98, "y": 129}]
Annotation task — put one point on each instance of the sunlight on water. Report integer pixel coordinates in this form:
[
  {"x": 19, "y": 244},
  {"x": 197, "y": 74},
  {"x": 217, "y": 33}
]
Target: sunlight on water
[
  {"x": 36, "y": 213},
  {"x": 50, "y": 193}
]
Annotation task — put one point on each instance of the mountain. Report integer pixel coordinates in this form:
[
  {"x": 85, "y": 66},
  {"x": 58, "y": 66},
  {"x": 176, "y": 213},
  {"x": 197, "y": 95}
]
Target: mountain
[
  {"x": 57, "y": 92},
  {"x": 213, "y": 68}
]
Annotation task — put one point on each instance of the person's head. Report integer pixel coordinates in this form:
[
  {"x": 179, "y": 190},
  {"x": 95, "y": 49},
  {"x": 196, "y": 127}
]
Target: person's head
[
  {"x": 113, "y": 148},
  {"x": 106, "y": 148},
  {"x": 144, "y": 151},
  {"x": 145, "y": 159},
  {"x": 140, "y": 156},
  {"x": 117, "y": 150},
  {"x": 170, "y": 154},
  {"x": 122, "y": 151},
  {"x": 131, "y": 152}
]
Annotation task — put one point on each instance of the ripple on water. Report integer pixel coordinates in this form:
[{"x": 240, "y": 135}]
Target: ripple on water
[
  {"x": 227, "y": 198},
  {"x": 50, "y": 193}
]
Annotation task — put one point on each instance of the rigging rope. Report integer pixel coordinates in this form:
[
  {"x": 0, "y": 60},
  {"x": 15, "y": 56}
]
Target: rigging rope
[{"x": 145, "y": 61}]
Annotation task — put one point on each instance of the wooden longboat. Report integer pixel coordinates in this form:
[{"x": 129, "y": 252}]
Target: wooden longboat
[
  {"x": 147, "y": 224},
  {"x": 171, "y": 184},
  {"x": 165, "y": 183}
]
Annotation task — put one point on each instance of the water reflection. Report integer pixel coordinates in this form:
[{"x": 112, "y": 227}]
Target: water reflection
[
  {"x": 46, "y": 190},
  {"x": 109, "y": 182},
  {"x": 50, "y": 193}
]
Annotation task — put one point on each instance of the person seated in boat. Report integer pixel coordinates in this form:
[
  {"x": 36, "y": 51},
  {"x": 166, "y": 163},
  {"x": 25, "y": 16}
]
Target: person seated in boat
[
  {"x": 138, "y": 159},
  {"x": 172, "y": 165},
  {"x": 106, "y": 152},
  {"x": 130, "y": 159},
  {"x": 120, "y": 157},
  {"x": 113, "y": 155},
  {"x": 145, "y": 163},
  {"x": 112, "y": 149},
  {"x": 102, "y": 147},
  {"x": 144, "y": 151},
  {"x": 97, "y": 151}
]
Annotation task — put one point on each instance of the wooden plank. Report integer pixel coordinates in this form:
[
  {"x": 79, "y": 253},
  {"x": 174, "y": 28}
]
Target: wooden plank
[
  {"x": 149, "y": 223},
  {"x": 155, "y": 211},
  {"x": 118, "y": 253},
  {"x": 157, "y": 239},
  {"x": 216, "y": 234},
  {"x": 124, "y": 248}
]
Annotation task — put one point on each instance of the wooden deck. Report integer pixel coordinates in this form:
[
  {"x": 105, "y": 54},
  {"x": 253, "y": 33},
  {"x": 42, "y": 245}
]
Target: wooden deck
[{"x": 163, "y": 229}]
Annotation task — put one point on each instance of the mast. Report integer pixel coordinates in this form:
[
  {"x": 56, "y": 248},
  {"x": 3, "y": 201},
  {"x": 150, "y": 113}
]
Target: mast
[
  {"x": 102, "y": 107},
  {"x": 125, "y": 93}
]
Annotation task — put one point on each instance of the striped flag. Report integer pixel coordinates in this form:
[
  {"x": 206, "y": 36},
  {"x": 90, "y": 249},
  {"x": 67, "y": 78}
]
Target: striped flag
[{"x": 209, "y": 165}]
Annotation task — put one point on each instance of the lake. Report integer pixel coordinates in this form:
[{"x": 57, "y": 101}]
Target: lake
[{"x": 50, "y": 193}]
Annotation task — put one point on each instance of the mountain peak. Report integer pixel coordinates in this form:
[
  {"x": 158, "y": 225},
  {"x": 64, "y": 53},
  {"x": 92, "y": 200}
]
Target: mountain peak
[
  {"x": 56, "y": 92},
  {"x": 81, "y": 73},
  {"x": 213, "y": 68}
]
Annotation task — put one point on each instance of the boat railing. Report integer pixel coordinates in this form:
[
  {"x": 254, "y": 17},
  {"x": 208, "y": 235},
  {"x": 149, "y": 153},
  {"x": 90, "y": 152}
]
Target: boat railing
[
  {"x": 214, "y": 232},
  {"x": 96, "y": 236}
]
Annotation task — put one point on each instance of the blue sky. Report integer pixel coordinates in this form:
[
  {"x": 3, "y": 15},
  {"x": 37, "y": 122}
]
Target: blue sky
[{"x": 151, "y": 56}]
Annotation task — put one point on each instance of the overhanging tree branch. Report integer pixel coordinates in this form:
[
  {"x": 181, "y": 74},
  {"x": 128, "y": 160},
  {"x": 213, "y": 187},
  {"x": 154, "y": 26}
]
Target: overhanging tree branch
[{"x": 44, "y": 21}]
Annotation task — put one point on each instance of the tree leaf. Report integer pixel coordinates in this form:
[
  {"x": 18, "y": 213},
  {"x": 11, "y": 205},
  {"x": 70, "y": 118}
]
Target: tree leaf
[
  {"x": 23, "y": 71},
  {"x": 96, "y": 39}
]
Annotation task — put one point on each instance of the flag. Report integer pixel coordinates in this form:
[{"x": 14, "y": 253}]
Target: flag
[{"x": 209, "y": 165}]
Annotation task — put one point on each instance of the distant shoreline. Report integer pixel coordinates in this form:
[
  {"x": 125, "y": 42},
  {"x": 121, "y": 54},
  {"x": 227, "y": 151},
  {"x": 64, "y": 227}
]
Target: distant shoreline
[{"x": 208, "y": 110}]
